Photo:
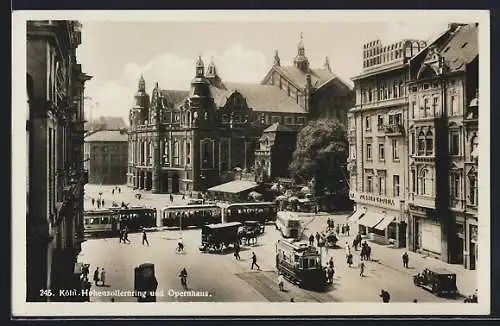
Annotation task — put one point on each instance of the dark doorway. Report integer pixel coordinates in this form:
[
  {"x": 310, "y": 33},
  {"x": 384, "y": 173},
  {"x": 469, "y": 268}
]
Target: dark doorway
[
  {"x": 473, "y": 256},
  {"x": 402, "y": 235}
]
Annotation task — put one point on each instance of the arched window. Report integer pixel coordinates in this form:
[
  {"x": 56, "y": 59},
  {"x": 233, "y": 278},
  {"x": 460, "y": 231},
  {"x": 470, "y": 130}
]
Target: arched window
[
  {"x": 474, "y": 147},
  {"x": 472, "y": 196},
  {"x": 421, "y": 144},
  {"x": 429, "y": 143},
  {"x": 425, "y": 182}
]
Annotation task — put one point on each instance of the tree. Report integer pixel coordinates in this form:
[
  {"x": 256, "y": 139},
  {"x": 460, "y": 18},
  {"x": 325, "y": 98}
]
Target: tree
[{"x": 321, "y": 153}]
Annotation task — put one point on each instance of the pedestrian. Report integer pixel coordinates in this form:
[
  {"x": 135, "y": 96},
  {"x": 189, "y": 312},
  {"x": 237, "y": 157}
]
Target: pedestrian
[
  {"x": 98, "y": 203},
  {"x": 330, "y": 273},
  {"x": 362, "y": 269},
  {"x": 112, "y": 299},
  {"x": 125, "y": 235},
  {"x": 343, "y": 229},
  {"x": 171, "y": 198},
  {"x": 415, "y": 300},
  {"x": 311, "y": 240},
  {"x": 330, "y": 262},
  {"x": 337, "y": 229},
  {"x": 144, "y": 237},
  {"x": 292, "y": 300},
  {"x": 347, "y": 228},
  {"x": 386, "y": 297},
  {"x": 363, "y": 252},
  {"x": 332, "y": 224},
  {"x": 281, "y": 282},
  {"x": 120, "y": 236},
  {"x": 328, "y": 223},
  {"x": 349, "y": 259},
  {"x": 119, "y": 190},
  {"x": 316, "y": 210},
  {"x": 347, "y": 249},
  {"x": 102, "y": 203},
  {"x": 237, "y": 251},
  {"x": 317, "y": 238},
  {"x": 368, "y": 252},
  {"x": 113, "y": 192},
  {"x": 183, "y": 196},
  {"x": 96, "y": 276},
  {"x": 103, "y": 277},
  {"x": 254, "y": 261},
  {"x": 93, "y": 202},
  {"x": 405, "y": 259}
]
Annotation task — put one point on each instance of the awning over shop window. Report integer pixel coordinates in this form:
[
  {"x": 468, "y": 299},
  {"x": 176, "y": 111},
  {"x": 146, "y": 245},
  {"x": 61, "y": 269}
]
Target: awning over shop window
[
  {"x": 370, "y": 219},
  {"x": 385, "y": 222},
  {"x": 357, "y": 215}
]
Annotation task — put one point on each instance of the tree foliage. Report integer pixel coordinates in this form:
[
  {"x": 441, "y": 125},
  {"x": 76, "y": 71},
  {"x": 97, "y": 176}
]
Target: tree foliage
[{"x": 320, "y": 153}]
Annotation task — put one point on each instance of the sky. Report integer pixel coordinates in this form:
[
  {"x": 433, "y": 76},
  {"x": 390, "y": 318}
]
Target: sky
[{"x": 116, "y": 53}]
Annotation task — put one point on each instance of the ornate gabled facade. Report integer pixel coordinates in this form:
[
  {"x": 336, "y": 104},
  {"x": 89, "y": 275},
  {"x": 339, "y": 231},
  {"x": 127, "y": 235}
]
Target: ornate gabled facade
[
  {"x": 443, "y": 140},
  {"x": 191, "y": 140}
]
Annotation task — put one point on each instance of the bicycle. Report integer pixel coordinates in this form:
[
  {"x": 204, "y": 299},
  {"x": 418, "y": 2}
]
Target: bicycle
[{"x": 179, "y": 249}]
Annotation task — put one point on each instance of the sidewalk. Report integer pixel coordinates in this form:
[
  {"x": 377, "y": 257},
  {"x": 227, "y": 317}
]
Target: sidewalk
[{"x": 392, "y": 257}]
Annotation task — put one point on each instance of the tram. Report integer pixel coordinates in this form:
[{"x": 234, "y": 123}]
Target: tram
[
  {"x": 135, "y": 217},
  {"x": 288, "y": 223},
  {"x": 301, "y": 264},
  {"x": 190, "y": 215},
  {"x": 256, "y": 211},
  {"x": 100, "y": 222}
]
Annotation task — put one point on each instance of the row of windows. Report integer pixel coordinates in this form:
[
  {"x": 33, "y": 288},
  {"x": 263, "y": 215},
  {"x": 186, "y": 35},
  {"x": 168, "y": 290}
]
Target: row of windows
[
  {"x": 380, "y": 187},
  {"x": 423, "y": 144},
  {"x": 106, "y": 148},
  {"x": 381, "y": 151},
  {"x": 394, "y": 119},
  {"x": 385, "y": 91},
  {"x": 422, "y": 183},
  {"x": 237, "y": 118}
]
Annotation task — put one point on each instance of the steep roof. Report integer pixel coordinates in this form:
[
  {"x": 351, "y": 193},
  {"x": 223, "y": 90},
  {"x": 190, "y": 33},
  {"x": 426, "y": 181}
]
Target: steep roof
[
  {"x": 220, "y": 95},
  {"x": 319, "y": 76},
  {"x": 107, "y": 136},
  {"x": 462, "y": 48},
  {"x": 277, "y": 127},
  {"x": 107, "y": 123},
  {"x": 173, "y": 97},
  {"x": 266, "y": 98}
]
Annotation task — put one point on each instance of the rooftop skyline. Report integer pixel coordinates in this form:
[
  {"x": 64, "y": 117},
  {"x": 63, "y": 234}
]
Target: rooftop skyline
[{"x": 117, "y": 53}]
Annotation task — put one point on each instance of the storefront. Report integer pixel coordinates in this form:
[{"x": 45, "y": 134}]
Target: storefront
[
  {"x": 379, "y": 219},
  {"x": 471, "y": 243}
]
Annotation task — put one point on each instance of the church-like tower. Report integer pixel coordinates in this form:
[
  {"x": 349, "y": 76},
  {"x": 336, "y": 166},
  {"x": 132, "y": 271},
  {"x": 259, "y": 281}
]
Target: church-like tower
[
  {"x": 201, "y": 103},
  {"x": 301, "y": 60},
  {"x": 142, "y": 102}
]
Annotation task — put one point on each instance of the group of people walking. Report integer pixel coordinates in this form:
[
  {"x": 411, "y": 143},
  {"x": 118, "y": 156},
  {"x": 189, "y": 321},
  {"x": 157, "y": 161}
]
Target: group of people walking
[
  {"x": 99, "y": 277},
  {"x": 97, "y": 202}
]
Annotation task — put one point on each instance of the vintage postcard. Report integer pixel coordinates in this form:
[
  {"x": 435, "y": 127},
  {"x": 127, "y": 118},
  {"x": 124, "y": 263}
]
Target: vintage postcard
[{"x": 225, "y": 163}]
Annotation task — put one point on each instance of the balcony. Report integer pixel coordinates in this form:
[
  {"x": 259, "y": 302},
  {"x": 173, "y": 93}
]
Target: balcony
[
  {"x": 382, "y": 103},
  {"x": 395, "y": 129},
  {"x": 422, "y": 200}
]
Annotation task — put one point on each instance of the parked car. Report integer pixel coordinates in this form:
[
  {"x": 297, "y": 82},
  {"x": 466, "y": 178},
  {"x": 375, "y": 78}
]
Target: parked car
[{"x": 438, "y": 280}]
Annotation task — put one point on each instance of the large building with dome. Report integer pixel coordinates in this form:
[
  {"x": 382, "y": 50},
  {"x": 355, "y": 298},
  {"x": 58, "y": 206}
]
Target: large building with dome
[{"x": 183, "y": 140}]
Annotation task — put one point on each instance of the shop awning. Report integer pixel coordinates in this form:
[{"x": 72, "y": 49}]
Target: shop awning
[
  {"x": 356, "y": 215},
  {"x": 234, "y": 187},
  {"x": 385, "y": 222},
  {"x": 370, "y": 219}
]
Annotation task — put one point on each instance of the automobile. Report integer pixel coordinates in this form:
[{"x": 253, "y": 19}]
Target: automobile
[
  {"x": 437, "y": 280},
  {"x": 145, "y": 283}
]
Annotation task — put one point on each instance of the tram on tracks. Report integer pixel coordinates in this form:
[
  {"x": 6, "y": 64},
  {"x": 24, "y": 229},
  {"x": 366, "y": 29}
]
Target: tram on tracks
[
  {"x": 104, "y": 222},
  {"x": 301, "y": 264},
  {"x": 191, "y": 215},
  {"x": 253, "y": 211}
]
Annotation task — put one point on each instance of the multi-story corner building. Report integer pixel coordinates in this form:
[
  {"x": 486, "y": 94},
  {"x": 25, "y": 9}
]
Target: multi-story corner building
[
  {"x": 276, "y": 146},
  {"x": 106, "y": 157},
  {"x": 377, "y": 133},
  {"x": 443, "y": 145},
  {"x": 55, "y": 130},
  {"x": 190, "y": 140}
]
